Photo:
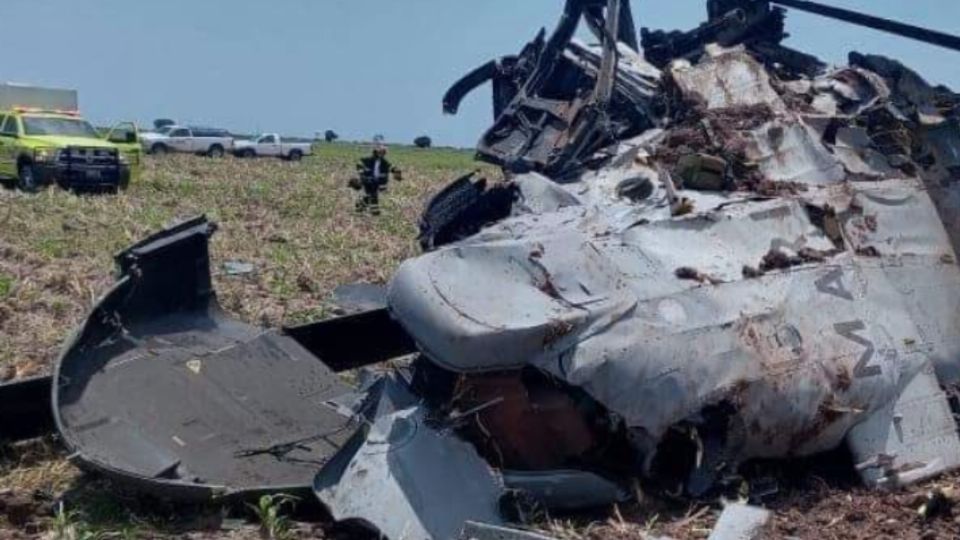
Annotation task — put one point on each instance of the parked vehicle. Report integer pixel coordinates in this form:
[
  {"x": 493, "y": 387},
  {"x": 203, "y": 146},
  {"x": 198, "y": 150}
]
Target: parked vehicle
[
  {"x": 192, "y": 140},
  {"x": 44, "y": 140},
  {"x": 272, "y": 145}
]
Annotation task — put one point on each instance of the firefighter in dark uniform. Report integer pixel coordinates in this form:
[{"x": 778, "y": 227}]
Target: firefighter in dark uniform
[{"x": 374, "y": 174}]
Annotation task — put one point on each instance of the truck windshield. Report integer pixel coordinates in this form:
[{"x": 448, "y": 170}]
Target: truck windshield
[{"x": 70, "y": 127}]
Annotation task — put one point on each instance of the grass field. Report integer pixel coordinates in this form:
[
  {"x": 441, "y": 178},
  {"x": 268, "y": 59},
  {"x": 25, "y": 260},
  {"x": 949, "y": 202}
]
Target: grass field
[{"x": 293, "y": 221}]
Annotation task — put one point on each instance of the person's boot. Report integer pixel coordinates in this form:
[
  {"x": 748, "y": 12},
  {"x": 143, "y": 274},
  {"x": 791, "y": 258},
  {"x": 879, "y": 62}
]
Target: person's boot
[{"x": 375, "y": 209}]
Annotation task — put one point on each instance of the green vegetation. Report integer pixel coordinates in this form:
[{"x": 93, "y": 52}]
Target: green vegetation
[
  {"x": 6, "y": 285},
  {"x": 273, "y": 525}
]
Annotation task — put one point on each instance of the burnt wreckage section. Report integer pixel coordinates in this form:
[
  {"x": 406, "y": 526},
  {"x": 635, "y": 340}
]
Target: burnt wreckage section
[
  {"x": 719, "y": 252},
  {"x": 558, "y": 102}
]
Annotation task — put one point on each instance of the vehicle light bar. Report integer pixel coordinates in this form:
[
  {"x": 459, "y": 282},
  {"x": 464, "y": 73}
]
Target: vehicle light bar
[{"x": 46, "y": 111}]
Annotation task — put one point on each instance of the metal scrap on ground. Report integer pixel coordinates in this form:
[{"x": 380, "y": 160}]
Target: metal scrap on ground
[{"x": 715, "y": 251}]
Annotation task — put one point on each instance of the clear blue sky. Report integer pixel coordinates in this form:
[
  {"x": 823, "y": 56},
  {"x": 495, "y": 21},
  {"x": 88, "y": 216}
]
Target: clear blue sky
[{"x": 359, "y": 67}]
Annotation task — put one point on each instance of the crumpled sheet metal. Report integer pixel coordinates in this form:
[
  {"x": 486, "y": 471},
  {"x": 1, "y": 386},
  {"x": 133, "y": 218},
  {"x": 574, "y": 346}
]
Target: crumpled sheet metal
[
  {"x": 727, "y": 78},
  {"x": 162, "y": 392},
  {"x": 847, "y": 91},
  {"x": 947, "y": 199},
  {"x": 910, "y": 440},
  {"x": 538, "y": 195},
  {"x": 854, "y": 149},
  {"x": 583, "y": 292},
  {"x": 885, "y": 219},
  {"x": 945, "y": 140},
  {"x": 410, "y": 481},
  {"x": 354, "y": 298},
  {"x": 635, "y": 77},
  {"x": 741, "y": 522},
  {"x": 744, "y": 339},
  {"x": 789, "y": 151}
]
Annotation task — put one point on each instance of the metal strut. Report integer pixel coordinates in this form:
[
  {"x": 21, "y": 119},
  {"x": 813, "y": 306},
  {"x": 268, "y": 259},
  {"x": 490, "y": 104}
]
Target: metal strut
[{"x": 918, "y": 33}]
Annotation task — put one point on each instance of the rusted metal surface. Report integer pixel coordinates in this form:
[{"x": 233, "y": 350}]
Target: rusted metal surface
[
  {"x": 530, "y": 426},
  {"x": 726, "y": 79}
]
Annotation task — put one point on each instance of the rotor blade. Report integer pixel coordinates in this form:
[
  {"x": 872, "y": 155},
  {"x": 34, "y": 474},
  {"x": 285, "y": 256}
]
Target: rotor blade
[
  {"x": 25, "y": 409},
  {"x": 886, "y": 25}
]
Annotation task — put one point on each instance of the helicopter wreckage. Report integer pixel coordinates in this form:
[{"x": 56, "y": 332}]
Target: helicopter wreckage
[{"x": 712, "y": 251}]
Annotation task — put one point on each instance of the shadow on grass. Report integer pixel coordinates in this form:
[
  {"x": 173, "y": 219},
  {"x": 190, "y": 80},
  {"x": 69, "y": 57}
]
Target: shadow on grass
[{"x": 88, "y": 506}]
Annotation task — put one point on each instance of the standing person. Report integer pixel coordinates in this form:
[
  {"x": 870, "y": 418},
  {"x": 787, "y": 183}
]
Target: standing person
[{"x": 374, "y": 175}]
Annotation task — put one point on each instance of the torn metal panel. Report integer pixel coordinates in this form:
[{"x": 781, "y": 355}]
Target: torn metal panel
[
  {"x": 788, "y": 151},
  {"x": 893, "y": 218},
  {"x": 763, "y": 317},
  {"x": 848, "y": 91},
  {"x": 25, "y": 410},
  {"x": 636, "y": 81},
  {"x": 910, "y": 93},
  {"x": 160, "y": 391},
  {"x": 570, "y": 103},
  {"x": 356, "y": 298},
  {"x": 502, "y": 72},
  {"x": 854, "y": 149},
  {"x": 410, "y": 480},
  {"x": 947, "y": 200},
  {"x": 721, "y": 244},
  {"x": 726, "y": 79},
  {"x": 910, "y": 440},
  {"x": 584, "y": 292},
  {"x": 741, "y": 522},
  {"x": 537, "y": 194},
  {"x": 945, "y": 142},
  {"x": 757, "y": 25}
]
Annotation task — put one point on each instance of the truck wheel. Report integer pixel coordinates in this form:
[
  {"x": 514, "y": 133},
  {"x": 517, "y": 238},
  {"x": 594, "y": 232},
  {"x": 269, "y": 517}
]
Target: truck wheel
[
  {"x": 215, "y": 151},
  {"x": 27, "y": 178},
  {"x": 296, "y": 155},
  {"x": 249, "y": 153},
  {"x": 159, "y": 149}
]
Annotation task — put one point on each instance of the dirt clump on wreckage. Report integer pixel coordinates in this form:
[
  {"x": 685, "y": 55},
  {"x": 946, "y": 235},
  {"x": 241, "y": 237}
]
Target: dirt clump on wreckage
[{"x": 715, "y": 253}]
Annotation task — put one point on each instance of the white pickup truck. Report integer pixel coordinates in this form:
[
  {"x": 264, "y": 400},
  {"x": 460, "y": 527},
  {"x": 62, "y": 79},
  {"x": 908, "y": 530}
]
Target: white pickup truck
[
  {"x": 272, "y": 145},
  {"x": 191, "y": 140}
]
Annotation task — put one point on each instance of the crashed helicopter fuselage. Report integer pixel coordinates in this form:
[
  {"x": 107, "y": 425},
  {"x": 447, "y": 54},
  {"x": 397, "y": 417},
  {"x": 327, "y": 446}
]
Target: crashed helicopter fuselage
[
  {"x": 805, "y": 299},
  {"x": 715, "y": 251}
]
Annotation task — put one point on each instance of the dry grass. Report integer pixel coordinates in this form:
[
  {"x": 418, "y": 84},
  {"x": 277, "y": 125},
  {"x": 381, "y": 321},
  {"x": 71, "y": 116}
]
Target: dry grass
[{"x": 294, "y": 221}]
